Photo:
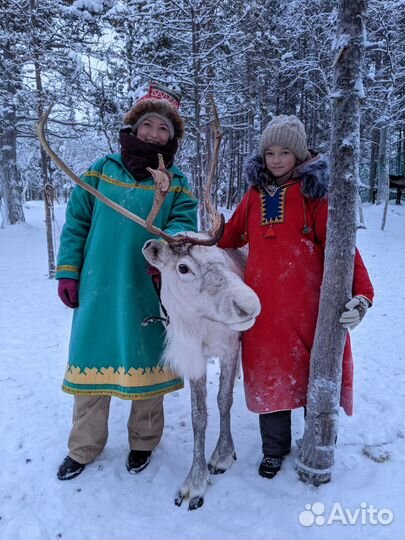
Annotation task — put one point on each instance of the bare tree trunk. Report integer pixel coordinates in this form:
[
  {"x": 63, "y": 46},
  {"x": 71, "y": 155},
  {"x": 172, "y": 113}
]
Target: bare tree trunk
[
  {"x": 10, "y": 180},
  {"x": 383, "y": 175},
  {"x": 362, "y": 224},
  {"x": 400, "y": 152},
  {"x": 239, "y": 170},
  {"x": 382, "y": 167},
  {"x": 198, "y": 180},
  {"x": 10, "y": 189},
  {"x": 321, "y": 426},
  {"x": 373, "y": 164},
  {"x": 47, "y": 187},
  {"x": 384, "y": 218},
  {"x": 231, "y": 153}
]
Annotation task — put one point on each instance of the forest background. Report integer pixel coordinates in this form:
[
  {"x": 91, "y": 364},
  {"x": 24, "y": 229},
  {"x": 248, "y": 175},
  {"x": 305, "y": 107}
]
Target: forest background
[{"x": 94, "y": 58}]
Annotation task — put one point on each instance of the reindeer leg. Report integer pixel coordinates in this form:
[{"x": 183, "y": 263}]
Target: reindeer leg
[
  {"x": 224, "y": 453},
  {"x": 197, "y": 480}
]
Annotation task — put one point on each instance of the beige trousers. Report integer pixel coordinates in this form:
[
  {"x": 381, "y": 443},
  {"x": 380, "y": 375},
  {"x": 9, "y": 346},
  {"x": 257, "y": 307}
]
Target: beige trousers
[{"x": 90, "y": 426}]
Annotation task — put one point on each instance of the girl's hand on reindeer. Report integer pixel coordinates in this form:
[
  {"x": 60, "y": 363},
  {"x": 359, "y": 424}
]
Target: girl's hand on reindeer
[
  {"x": 67, "y": 292},
  {"x": 356, "y": 309}
]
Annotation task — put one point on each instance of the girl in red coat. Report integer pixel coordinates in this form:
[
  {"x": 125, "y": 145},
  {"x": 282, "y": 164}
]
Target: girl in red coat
[{"x": 283, "y": 217}]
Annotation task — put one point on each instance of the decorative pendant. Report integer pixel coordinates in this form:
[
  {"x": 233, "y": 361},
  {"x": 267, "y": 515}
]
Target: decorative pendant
[
  {"x": 270, "y": 232},
  {"x": 306, "y": 230},
  {"x": 272, "y": 189}
]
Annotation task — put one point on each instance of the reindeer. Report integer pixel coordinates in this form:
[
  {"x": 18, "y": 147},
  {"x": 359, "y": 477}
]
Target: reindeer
[
  {"x": 207, "y": 305},
  {"x": 397, "y": 182}
]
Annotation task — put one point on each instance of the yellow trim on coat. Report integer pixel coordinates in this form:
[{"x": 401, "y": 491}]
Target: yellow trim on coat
[
  {"x": 130, "y": 379},
  {"x": 67, "y": 268},
  {"x": 135, "y": 185},
  {"x": 122, "y": 395}
]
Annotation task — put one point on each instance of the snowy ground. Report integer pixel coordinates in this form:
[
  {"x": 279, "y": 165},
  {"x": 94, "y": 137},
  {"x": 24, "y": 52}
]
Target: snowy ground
[{"x": 106, "y": 503}]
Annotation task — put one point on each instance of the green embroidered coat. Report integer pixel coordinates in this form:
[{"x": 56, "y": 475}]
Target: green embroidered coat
[{"x": 110, "y": 352}]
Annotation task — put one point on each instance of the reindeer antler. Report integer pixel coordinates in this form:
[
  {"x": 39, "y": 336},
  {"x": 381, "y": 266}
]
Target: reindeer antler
[
  {"x": 162, "y": 178},
  {"x": 217, "y": 219}
]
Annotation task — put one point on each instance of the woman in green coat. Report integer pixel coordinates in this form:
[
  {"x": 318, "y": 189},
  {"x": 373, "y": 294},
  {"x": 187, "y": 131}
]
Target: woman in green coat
[{"x": 103, "y": 275}]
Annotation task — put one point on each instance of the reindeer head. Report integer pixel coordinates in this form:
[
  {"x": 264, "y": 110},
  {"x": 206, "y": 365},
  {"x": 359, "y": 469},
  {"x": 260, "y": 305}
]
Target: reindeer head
[{"x": 200, "y": 282}]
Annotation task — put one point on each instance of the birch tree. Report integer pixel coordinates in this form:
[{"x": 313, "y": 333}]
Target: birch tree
[
  {"x": 10, "y": 84},
  {"x": 321, "y": 426}
]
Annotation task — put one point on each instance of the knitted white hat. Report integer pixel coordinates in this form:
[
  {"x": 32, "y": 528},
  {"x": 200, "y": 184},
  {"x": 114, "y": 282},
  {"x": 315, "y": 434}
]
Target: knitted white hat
[{"x": 286, "y": 131}]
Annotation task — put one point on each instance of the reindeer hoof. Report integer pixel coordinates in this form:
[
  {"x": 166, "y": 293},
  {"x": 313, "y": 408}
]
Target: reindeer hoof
[
  {"x": 214, "y": 468},
  {"x": 179, "y": 499},
  {"x": 196, "y": 502}
]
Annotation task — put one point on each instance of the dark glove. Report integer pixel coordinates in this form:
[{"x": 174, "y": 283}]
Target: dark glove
[{"x": 67, "y": 292}]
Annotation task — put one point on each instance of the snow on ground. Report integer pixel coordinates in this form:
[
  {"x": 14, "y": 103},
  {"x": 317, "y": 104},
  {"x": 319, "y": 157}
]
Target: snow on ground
[{"x": 106, "y": 503}]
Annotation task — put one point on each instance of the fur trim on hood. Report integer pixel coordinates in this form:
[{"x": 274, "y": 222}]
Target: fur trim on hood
[
  {"x": 159, "y": 106},
  {"x": 314, "y": 174}
]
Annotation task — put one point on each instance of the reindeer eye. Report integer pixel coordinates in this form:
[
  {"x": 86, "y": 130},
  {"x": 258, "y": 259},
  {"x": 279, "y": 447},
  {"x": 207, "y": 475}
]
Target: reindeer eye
[{"x": 183, "y": 269}]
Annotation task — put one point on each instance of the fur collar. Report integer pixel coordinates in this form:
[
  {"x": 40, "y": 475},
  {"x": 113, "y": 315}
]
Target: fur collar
[{"x": 314, "y": 174}]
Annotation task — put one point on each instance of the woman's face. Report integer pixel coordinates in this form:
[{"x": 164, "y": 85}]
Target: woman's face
[
  {"x": 153, "y": 130},
  {"x": 279, "y": 160}
]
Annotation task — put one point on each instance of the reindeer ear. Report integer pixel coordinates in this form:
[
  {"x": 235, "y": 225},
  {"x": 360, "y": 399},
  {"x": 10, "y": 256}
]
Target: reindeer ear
[{"x": 156, "y": 252}]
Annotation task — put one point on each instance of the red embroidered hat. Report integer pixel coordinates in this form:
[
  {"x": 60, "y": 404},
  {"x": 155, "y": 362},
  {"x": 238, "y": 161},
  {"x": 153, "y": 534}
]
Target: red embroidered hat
[
  {"x": 159, "y": 92},
  {"x": 161, "y": 102}
]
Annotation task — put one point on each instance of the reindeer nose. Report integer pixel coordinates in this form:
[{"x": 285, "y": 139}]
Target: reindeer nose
[{"x": 241, "y": 312}]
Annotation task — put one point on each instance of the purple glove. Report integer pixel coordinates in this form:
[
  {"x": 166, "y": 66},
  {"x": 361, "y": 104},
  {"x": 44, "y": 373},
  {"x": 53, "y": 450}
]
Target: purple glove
[{"x": 67, "y": 292}]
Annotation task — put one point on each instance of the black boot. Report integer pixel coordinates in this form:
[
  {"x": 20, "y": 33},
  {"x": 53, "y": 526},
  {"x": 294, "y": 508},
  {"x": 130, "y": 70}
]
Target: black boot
[
  {"x": 69, "y": 469},
  {"x": 138, "y": 460},
  {"x": 270, "y": 466}
]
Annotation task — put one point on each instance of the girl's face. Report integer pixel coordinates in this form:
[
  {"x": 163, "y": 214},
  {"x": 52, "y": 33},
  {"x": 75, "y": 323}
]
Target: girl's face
[
  {"x": 153, "y": 130},
  {"x": 279, "y": 160}
]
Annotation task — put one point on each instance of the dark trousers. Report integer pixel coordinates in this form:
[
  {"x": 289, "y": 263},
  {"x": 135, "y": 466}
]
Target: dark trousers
[{"x": 275, "y": 429}]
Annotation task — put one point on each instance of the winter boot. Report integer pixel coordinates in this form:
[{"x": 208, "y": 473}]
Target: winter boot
[
  {"x": 138, "y": 460},
  {"x": 270, "y": 466},
  {"x": 69, "y": 469}
]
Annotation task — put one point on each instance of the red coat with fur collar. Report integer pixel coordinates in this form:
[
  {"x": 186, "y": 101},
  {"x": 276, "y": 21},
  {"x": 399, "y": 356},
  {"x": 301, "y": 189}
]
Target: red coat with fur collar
[{"x": 286, "y": 236}]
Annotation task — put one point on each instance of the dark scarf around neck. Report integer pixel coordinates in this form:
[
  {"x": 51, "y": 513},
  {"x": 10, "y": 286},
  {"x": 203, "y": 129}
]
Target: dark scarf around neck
[{"x": 137, "y": 154}]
